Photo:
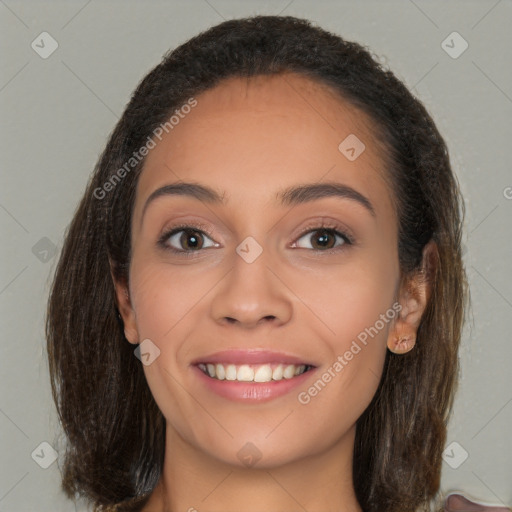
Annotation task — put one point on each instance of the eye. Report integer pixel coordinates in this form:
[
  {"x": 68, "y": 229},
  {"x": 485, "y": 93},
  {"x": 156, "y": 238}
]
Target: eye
[
  {"x": 323, "y": 238},
  {"x": 187, "y": 238}
]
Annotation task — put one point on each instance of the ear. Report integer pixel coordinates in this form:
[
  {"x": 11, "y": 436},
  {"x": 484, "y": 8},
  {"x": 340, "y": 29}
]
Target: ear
[
  {"x": 413, "y": 297},
  {"x": 125, "y": 308}
]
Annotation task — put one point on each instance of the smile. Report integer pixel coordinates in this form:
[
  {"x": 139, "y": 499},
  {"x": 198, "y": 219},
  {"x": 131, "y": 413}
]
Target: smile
[
  {"x": 266, "y": 372},
  {"x": 252, "y": 375}
]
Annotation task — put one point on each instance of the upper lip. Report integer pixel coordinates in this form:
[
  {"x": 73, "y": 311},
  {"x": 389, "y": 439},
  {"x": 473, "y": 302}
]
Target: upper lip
[{"x": 244, "y": 356}]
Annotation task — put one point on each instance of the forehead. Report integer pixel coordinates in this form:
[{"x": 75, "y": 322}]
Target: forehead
[{"x": 249, "y": 137}]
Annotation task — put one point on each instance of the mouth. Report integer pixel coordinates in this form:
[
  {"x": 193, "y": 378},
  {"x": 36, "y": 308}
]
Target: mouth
[
  {"x": 266, "y": 372},
  {"x": 252, "y": 375}
]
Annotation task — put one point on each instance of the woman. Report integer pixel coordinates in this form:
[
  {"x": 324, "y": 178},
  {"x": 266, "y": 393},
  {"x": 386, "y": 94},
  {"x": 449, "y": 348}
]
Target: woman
[{"x": 259, "y": 301}]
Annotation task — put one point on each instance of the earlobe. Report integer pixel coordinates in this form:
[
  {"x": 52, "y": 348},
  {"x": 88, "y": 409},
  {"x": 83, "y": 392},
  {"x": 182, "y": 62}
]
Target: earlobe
[
  {"x": 414, "y": 298},
  {"x": 401, "y": 344},
  {"x": 125, "y": 309},
  {"x": 402, "y": 335}
]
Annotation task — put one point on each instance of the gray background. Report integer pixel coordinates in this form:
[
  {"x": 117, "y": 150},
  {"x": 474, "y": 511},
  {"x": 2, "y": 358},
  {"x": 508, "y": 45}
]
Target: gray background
[{"x": 57, "y": 113}]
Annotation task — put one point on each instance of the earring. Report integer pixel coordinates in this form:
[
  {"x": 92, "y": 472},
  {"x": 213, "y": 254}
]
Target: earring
[{"x": 403, "y": 344}]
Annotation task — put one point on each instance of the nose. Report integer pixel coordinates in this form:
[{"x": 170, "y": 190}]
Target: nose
[{"x": 252, "y": 294}]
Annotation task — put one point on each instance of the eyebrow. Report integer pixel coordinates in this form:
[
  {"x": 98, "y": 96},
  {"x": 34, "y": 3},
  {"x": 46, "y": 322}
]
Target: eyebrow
[{"x": 294, "y": 195}]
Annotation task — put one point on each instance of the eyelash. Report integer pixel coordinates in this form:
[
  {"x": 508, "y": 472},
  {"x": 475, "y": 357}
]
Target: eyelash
[{"x": 333, "y": 228}]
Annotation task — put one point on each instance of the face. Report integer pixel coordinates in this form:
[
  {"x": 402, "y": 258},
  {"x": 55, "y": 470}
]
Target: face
[{"x": 265, "y": 281}]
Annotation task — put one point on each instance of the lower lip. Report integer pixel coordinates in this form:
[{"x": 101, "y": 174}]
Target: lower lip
[{"x": 252, "y": 391}]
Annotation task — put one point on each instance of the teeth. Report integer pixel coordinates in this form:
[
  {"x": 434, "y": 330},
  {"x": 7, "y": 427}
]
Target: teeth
[
  {"x": 277, "y": 374},
  {"x": 220, "y": 373},
  {"x": 252, "y": 373},
  {"x": 263, "y": 374},
  {"x": 230, "y": 372},
  {"x": 289, "y": 371},
  {"x": 245, "y": 373}
]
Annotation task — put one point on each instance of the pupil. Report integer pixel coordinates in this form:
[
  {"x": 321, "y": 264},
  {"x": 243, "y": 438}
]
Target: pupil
[
  {"x": 189, "y": 235},
  {"x": 323, "y": 239}
]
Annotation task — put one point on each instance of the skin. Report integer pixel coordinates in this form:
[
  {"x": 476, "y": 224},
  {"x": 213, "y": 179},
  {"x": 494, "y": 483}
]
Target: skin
[{"x": 249, "y": 139}]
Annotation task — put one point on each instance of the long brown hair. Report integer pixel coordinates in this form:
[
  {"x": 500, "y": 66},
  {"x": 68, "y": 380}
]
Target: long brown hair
[{"x": 115, "y": 433}]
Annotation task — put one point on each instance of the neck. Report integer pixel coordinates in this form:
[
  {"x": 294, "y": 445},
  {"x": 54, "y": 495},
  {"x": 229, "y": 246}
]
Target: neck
[{"x": 194, "y": 482}]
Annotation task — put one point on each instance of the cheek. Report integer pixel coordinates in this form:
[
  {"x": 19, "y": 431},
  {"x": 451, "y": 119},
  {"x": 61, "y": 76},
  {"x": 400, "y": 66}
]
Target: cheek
[
  {"x": 353, "y": 312},
  {"x": 345, "y": 299},
  {"x": 356, "y": 314},
  {"x": 164, "y": 304},
  {"x": 163, "y": 295}
]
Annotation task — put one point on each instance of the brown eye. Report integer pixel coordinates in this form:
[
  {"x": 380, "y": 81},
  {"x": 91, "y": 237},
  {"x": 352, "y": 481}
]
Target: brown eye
[
  {"x": 324, "y": 239},
  {"x": 185, "y": 239}
]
